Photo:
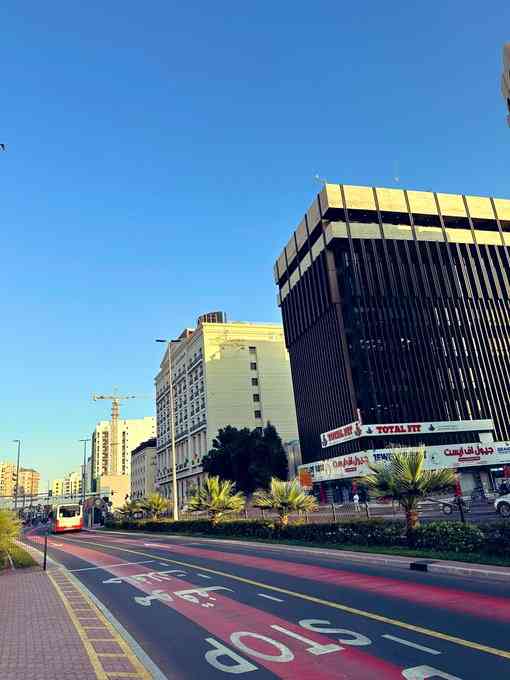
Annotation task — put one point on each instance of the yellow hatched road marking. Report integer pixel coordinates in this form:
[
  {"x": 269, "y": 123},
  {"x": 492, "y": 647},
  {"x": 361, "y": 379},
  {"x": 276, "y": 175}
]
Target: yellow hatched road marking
[
  {"x": 95, "y": 657},
  {"x": 334, "y": 605}
]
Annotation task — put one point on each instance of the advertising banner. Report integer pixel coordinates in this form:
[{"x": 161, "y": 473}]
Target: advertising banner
[
  {"x": 356, "y": 429},
  {"x": 436, "y": 457}
]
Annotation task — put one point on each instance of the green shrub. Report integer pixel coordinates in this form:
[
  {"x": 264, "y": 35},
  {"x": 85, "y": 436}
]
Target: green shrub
[
  {"x": 441, "y": 536},
  {"x": 497, "y": 538},
  {"x": 448, "y": 536},
  {"x": 10, "y": 527}
]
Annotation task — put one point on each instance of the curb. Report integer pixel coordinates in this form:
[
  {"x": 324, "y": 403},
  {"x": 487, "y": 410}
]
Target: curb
[{"x": 397, "y": 561}]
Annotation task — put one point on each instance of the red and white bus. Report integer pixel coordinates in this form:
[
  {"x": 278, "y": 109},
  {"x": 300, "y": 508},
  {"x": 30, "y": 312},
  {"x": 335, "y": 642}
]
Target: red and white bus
[{"x": 66, "y": 517}]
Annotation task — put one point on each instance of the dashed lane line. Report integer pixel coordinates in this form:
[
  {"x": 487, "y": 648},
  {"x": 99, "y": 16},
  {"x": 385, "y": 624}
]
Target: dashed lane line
[
  {"x": 408, "y": 643},
  {"x": 470, "y": 644},
  {"x": 269, "y": 597}
]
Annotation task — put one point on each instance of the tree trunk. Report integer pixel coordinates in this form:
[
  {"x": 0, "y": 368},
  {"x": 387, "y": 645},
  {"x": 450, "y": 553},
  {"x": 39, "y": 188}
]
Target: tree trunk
[
  {"x": 412, "y": 520},
  {"x": 284, "y": 520}
]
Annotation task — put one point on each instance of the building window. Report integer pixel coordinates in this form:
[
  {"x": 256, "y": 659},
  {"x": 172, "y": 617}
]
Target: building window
[
  {"x": 256, "y": 397},
  {"x": 254, "y": 382},
  {"x": 258, "y": 414},
  {"x": 253, "y": 366}
]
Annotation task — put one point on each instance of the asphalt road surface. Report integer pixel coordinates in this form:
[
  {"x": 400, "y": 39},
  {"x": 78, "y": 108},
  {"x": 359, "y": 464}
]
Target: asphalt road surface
[{"x": 215, "y": 609}]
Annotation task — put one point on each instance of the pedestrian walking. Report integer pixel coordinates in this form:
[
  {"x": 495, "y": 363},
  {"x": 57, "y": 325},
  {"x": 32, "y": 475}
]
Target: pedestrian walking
[{"x": 355, "y": 498}]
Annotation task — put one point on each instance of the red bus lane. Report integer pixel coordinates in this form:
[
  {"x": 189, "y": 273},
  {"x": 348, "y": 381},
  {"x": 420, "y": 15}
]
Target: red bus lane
[
  {"x": 244, "y": 638},
  {"x": 493, "y": 608}
]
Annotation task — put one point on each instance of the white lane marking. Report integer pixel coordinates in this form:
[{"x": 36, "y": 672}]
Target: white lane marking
[
  {"x": 269, "y": 597},
  {"x": 203, "y": 575},
  {"x": 107, "y": 566},
  {"x": 411, "y": 644}
]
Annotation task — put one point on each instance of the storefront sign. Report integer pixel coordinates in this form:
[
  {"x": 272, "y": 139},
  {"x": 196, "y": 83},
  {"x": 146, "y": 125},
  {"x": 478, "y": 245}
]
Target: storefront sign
[
  {"x": 342, "y": 434},
  {"x": 356, "y": 430},
  {"x": 451, "y": 456}
]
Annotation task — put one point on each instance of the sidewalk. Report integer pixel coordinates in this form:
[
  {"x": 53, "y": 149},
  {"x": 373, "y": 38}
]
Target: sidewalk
[
  {"x": 51, "y": 630},
  {"x": 37, "y": 636}
]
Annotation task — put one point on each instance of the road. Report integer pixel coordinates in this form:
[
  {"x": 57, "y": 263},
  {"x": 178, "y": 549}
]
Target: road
[{"x": 213, "y": 609}]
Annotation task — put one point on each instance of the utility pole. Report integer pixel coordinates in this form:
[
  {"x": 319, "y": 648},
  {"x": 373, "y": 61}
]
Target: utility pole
[
  {"x": 114, "y": 428},
  {"x": 83, "y": 469},
  {"x": 18, "y": 441}
]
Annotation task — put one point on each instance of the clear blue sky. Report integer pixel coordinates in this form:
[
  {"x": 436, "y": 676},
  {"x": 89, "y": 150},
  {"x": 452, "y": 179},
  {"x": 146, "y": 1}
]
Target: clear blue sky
[{"x": 159, "y": 154}]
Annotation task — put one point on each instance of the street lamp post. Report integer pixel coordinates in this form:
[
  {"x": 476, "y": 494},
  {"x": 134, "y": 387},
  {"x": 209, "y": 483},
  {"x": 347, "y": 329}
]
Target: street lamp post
[
  {"x": 83, "y": 469},
  {"x": 172, "y": 425},
  {"x": 18, "y": 441}
]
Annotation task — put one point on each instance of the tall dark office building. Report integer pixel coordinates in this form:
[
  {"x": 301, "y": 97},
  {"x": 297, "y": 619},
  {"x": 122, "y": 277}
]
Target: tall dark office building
[{"x": 396, "y": 309}]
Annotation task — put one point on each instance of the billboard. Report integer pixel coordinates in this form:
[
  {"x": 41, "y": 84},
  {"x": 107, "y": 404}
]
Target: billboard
[{"x": 356, "y": 430}]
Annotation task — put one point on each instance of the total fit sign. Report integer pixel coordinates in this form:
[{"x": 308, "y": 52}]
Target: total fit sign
[
  {"x": 356, "y": 430},
  {"x": 436, "y": 457}
]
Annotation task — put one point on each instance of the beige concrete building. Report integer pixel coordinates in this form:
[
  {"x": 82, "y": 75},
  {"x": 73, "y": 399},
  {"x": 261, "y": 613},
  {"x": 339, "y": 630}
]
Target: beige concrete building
[
  {"x": 143, "y": 469},
  {"x": 131, "y": 433},
  {"x": 114, "y": 487},
  {"x": 70, "y": 485},
  {"x": 29, "y": 482},
  {"x": 223, "y": 373},
  {"x": 7, "y": 478}
]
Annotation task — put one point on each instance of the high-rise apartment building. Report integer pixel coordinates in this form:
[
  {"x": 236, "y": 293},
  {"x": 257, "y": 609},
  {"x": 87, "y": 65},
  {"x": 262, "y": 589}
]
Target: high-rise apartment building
[
  {"x": 131, "y": 433},
  {"x": 396, "y": 309},
  {"x": 7, "y": 478},
  {"x": 143, "y": 469},
  {"x": 222, "y": 374},
  {"x": 70, "y": 485},
  {"x": 29, "y": 482}
]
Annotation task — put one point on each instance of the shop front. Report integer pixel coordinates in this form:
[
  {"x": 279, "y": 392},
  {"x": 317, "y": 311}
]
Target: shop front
[{"x": 335, "y": 480}]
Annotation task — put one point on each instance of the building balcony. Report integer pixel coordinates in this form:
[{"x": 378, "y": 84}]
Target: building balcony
[{"x": 193, "y": 362}]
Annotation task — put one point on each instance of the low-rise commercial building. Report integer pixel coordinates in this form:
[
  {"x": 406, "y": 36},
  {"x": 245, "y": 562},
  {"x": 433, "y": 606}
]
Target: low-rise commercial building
[
  {"x": 143, "y": 469},
  {"x": 223, "y": 374}
]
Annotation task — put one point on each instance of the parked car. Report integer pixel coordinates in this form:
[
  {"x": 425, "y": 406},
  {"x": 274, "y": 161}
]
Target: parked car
[{"x": 502, "y": 505}]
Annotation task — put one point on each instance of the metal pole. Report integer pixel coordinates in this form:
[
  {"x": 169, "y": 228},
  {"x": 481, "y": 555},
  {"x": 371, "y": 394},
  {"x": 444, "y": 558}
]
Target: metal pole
[
  {"x": 172, "y": 421},
  {"x": 17, "y": 476},
  {"x": 83, "y": 471},
  {"x": 45, "y": 549}
]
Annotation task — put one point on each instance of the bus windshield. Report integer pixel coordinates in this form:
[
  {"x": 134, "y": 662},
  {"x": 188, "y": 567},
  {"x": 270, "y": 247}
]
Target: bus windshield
[{"x": 69, "y": 511}]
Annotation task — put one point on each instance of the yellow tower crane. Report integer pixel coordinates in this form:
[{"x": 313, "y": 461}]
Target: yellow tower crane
[{"x": 114, "y": 427}]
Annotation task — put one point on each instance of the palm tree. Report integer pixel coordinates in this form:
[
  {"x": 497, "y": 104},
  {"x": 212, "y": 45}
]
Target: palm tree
[
  {"x": 130, "y": 508},
  {"x": 284, "y": 497},
  {"x": 154, "y": 505},
  {"x": 218, "y": 498},
  {"x": 405, "y": 480}
]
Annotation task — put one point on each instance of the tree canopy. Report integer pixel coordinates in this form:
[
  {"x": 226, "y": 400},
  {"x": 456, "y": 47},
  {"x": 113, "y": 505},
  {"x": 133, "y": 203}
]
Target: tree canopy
[{"x": 248, "y": 458}]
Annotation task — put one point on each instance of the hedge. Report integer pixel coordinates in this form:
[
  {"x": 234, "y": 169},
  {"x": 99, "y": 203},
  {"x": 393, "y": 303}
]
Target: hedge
[{"x": 443, "y": 536}]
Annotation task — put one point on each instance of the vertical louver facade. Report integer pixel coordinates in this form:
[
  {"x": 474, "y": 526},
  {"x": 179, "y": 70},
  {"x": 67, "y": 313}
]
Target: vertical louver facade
[{"x": 396, "y": 308}]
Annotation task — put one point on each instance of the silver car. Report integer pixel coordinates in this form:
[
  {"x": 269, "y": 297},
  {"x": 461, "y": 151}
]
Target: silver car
[{"x": 502, "y": 505}]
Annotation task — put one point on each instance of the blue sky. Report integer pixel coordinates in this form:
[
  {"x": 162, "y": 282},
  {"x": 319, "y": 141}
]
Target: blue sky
[{"x": 159, "y": 154}]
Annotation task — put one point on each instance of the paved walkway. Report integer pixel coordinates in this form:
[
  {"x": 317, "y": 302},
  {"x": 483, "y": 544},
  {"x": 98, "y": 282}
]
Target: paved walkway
[
  {"x": 38, "y": 640},
  {"x": 51, "y": 630}
]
